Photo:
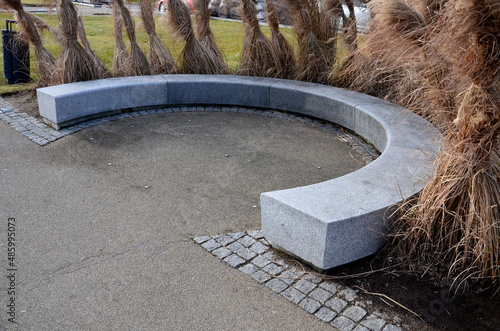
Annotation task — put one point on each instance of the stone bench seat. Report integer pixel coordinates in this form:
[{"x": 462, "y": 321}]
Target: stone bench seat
[{"x": 325, "y": 224}]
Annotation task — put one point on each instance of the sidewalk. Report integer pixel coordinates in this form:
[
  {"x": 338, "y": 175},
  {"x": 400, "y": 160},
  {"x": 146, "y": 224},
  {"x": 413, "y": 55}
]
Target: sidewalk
[{"x": 105, "y": 221}]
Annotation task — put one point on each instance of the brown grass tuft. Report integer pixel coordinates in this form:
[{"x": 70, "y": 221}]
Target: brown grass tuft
[
  {"x": 257, "y": 57},
  {"x": 443, "y": 62},
  {"x": 101, "y": 67},
  {"x": 205, "y": 35},
  {"x": 316, "y": 31},
  {"x": 194, "y": 58},
  {"x": 138, "y": 61},
  {"x": 159, "y": 57},
  {"x": 281, "y": 47},
  {"x": 75, "y": 64},
  {"x": 42, "y": 25},
  {"x": 121, "y": 59}
]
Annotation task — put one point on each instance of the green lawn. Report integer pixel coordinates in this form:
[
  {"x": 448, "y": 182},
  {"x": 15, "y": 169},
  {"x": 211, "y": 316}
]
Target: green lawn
[{"x": 99, "y": 30}]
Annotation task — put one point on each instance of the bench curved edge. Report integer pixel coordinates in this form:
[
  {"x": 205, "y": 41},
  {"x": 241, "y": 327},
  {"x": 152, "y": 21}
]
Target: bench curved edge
[{"x": 325, "y": 224}]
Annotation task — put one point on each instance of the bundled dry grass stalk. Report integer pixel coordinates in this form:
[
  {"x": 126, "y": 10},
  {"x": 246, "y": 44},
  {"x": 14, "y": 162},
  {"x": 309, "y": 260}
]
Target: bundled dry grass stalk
[
  {"x": 45, "y": 60},
  {"x": 281, "y": 47},
  {"x": 42, "y": 25},
  {"x": 205, "y": 35},
  {"x": 159, "y": 57},
  {"x": 397, "y": 62},
  {"x": 257, "y": 57},
  {"x": 50, "y": 4},
  {"x": 138, "y": 61},
  {"x": 316, "y": 35},
  {"x": 121, "y": 60},
  {"x": 75, "y": 63},
  {"x": 194, "y": 58},
  {"x": 101, "y": 67},
  {"x": 446, "y": 60}
]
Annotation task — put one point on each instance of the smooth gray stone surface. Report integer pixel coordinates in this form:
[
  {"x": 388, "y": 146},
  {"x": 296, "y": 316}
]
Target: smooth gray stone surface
[
  {"x": 65, "y": 103},
  {"x": 218, "y": 90},
  {"x": 325, "y": 224}
]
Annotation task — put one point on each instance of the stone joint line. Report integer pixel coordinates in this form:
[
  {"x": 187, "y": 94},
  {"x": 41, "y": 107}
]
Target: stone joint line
[{"x": 335, "y": 304}]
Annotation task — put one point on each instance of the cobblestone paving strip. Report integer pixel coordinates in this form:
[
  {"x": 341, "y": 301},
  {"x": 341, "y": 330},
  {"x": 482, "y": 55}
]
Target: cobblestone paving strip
[
  {"x": 42, "y": 134},
  {"x": 339, "y": 306}
]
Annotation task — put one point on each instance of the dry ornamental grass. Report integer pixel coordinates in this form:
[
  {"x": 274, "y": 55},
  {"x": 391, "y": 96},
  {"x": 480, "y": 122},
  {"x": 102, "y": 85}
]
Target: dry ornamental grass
[
  {"x": 194, "y": 58},
  {"x": 159, "y": 57},
  {"x": 442, "y": 61},
  {"x": 75, "y": 64},
  {"x": 257, "y": 57},
  {"x": 138, "y": 61}
]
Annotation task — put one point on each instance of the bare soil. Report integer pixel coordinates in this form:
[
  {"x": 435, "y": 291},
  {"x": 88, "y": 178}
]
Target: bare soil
[
  {"x": 435, "y": 305},
  {"x": 25, "y": 102},
  {"x": 439, "y": 308}
]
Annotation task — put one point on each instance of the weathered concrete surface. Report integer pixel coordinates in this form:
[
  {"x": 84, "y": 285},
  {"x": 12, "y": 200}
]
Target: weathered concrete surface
[{"x": 96, "y": 250}]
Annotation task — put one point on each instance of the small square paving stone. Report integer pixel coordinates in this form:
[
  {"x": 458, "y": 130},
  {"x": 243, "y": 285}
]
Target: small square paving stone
[
  {"x": 260, "y": 276},
  {"x": 296, "y": 271},
  {"x": 236, "y": 247},
  {"x": 234, "y": 260},
  {"x": 336, "y": 304},
  {"x": 355, "y": 313},
  {"x": 360, "y": 328},
  {"x": 237, "y": 235},
  {"x": 246, "y": 241},
  {"x": 246, "y": 253},
  {"x": 304, "y": 286},
  {"x": 330, "y": 287},
  {"x": 315, "y": 280},
  {"x": 325, "y": 314},
  {"x": 265, "y": 242},
  {"x": 261, "y": 261},
  {"x": 343, "y": 323},
  {"x": 258, "y": 248},
  {"x": 211, "y": 245},
  {"x": 269, "y": 255},
  {"x": 221, "y": 252},
  {"x": 373, "y": 323},
  {"x": 320, "y": 295},
  {"x": 225, "y": 240},
  {"x": 277, "y": 285},
  {"x": 288, "y": 277},
  {"x": 390, "y": 327},
  {"x": 248, "y": 268},
  {"x": 273, "y": 269},
  {"x": 310, "y": 305},
  {"x": 293, "y": 295},
  {"x": 257, "y": 234},
  {"x": 201, "y": 240}
]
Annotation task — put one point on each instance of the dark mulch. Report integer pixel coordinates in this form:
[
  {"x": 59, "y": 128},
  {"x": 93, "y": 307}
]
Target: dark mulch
[{"x": 439, "y": 308}]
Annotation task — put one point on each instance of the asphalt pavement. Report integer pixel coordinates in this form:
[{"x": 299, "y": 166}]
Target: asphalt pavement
[{"x": 104, "y": 220}]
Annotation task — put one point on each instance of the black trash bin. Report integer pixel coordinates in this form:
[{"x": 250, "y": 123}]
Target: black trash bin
[{"x": 16, "y": 56}]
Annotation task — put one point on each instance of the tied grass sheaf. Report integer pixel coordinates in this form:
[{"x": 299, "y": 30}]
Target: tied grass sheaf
[{"x": 438, "y": 58}]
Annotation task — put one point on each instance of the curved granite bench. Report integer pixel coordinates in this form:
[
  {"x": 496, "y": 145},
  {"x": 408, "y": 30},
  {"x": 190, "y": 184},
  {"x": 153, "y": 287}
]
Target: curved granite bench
[{"x": 325, "y": 224}]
